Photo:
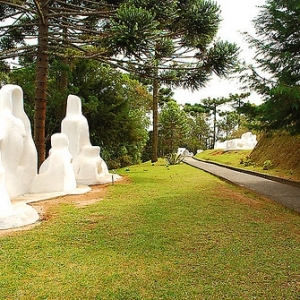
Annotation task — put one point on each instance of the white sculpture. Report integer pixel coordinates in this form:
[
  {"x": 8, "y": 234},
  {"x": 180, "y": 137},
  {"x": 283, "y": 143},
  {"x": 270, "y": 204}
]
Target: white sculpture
[
  {"x": 56, "y": 174},
  {"x": 13, "y": 215},
  {"x": 246, "y": 142},
  {"x": 18, "y": 164},
  {"x": 16, "y": 152},
  {"x": 19, "y": 156},
  {"x": 5, "y": 203},
  {"x": 89, "y": 167}
]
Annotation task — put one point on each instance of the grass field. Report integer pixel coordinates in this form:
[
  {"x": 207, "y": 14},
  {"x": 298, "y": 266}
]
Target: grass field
[{"x": 163, "y": 233}]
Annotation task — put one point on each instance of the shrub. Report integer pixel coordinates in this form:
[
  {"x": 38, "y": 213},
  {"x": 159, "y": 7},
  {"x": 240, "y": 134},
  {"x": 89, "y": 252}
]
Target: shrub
[
  {"x": 267, "y": 164},
  {"x": 247, "y": 161},
  {"x": 174, "y": 158}
]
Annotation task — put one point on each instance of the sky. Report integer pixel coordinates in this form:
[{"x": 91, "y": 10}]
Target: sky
[{"x": 237, "y": 16}]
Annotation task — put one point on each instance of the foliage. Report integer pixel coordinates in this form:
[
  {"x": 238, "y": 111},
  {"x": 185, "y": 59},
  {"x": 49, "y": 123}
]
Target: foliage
[
  {"x": 173, "y": 158},
  {"x": 114, "y": 104},
  {"x": 116, "y": 107},
  {"x": 172, "y": 42},
  {"x": 267, "y": 164},
  {"x": 173, "y": 127},
  {"x": 4, "y": 70},
  {"x": 198, "y": 127},
  {"x": 147, "y": 38},
  {"x": 277, "y": 74},
  {"x": 247, "y": 161}
]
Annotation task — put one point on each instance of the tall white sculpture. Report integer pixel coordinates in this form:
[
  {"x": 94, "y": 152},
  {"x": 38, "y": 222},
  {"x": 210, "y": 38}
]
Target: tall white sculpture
[
  {"x": 17, "y": 160},
  {"x": 5, "y": 203},
  {"x": 89, "y": 167},
  {"x": 56, "y": 174},
  {"x": 19, "y": 156}
]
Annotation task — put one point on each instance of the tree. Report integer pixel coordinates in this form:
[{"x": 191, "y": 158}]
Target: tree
[
  {"x": 40, "y": 28},
  {"x": 172, "y": 42},
  {"x": 199, "y": 129},
  {"x": 277, "y": 75},
  {"x": 4, "y": 71},
  {"x": 148, "y": 38},
  {"x": 173, "y": 127},
  {"x": 116, "y": 107},
  {"x": 237, "y": 102},
  {"x": 213, "y": 105},
  {"x": 228, "y": 124}
]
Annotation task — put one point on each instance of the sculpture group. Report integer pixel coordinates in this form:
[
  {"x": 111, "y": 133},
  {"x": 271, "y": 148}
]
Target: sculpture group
[
  {"x": 246, "y": 142},
  {"x": 72, "y": 159}
]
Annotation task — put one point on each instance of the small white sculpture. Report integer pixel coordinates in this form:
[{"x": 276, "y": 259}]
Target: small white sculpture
[
  {"x": 19, "y": 155},
  {"x": 56, "y": 174},
  {"x": 184, "y": 152},
  {"x": 89, "y": 167}
]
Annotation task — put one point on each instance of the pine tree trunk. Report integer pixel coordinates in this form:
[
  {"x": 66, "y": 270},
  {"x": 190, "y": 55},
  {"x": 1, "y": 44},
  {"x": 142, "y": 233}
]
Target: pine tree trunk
[
  {"x": 41, "y": 83},
  {"x": 155, "y": 121}
]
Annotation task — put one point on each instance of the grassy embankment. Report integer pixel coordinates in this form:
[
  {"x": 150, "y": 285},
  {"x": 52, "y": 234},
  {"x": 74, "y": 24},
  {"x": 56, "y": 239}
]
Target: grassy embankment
[
  {"x": 165, "y": 233},
  {"x": 282, "y": 150}
]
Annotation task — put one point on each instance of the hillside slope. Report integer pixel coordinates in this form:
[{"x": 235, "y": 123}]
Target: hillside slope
[{"x": 281, "y": 148}]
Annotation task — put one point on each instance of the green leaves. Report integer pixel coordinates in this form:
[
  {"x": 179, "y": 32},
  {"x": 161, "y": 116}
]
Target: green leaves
[
  {"x": 278, "y": 56},
  {"x": 200, "y": 21},
  {"x": 222, "y": 58},
  {"x": 132, "y": 31}
]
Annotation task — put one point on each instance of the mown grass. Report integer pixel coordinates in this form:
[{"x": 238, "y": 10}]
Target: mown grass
[
  {"x": 169, "y": 233},
  {"x": 234, "y": 159}
]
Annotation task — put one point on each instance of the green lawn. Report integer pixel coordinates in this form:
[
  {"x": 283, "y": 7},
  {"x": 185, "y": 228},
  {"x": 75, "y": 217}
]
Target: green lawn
[{"x": 168, "y": 233}]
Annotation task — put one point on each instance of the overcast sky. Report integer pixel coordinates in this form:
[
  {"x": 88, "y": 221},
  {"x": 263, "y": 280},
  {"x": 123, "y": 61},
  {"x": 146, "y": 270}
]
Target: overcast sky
[{"x": 237, "y": 16}]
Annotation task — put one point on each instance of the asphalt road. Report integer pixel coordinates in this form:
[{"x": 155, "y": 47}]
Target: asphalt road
[{"x": 280, "y": 192}]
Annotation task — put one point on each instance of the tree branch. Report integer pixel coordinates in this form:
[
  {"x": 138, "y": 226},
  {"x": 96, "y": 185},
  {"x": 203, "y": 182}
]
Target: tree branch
[{"x": 39, "y": 10}]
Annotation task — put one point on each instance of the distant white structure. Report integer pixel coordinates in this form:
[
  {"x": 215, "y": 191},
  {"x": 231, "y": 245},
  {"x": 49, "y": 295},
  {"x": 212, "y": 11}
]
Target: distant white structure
[
  {"x": 184, "y": 152},
  {"x": 246, "y": 142}
]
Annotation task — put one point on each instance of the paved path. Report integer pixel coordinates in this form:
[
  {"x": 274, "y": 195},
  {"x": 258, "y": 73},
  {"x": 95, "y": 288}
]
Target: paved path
[{"x": 283, "y": 193}]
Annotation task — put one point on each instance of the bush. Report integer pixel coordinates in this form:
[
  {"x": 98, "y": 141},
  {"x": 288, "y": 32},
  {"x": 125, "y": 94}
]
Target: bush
[
  {"x": 174, "y": 158},
  {"x": 247, "y": 161},
  {"x": 267, "y": 164}
]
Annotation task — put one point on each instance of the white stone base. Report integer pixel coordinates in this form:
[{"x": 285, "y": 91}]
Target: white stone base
[
  {"x": 20, "y": 215},
  {"x": 110, "y": 178}
]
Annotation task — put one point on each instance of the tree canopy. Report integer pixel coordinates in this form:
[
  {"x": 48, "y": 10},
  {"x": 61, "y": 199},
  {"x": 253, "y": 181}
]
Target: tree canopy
[
  {"x": 172, "y": 42},
  {"x": 277, "y": 74}
]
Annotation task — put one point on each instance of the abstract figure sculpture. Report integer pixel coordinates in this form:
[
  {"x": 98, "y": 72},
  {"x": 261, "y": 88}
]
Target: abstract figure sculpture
[
  {"x": 19, "y": 156},
  {"x": 56, "y": 173},
  {"x": 17, "y": 159},
  {"x": 71, "y": 157},
  {"x": 5, "y": 203},
  {"x": 89, "y": 167}
]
